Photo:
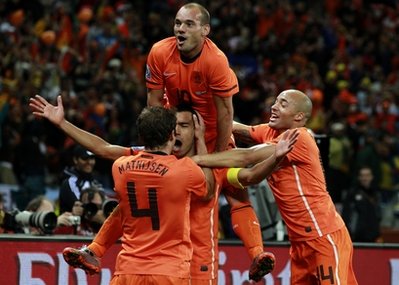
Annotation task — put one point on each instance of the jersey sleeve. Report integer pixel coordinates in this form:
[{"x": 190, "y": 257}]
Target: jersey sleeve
[
  {"x": 154, "y": 67},
  {"x": 223, "y": 81},
  {"x": 304, "y": 147},
  {"x": 198, "y": 181},
  {"x": 258, "y": 132}
]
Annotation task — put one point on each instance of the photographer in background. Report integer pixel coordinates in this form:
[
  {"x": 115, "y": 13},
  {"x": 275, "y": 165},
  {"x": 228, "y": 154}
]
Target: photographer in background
[
  {"x": 42, "y": 204},
  {"x": 77, "y": 178},
  {"x": 37, "y": 219},
  {"x": 90, "y": 209}
]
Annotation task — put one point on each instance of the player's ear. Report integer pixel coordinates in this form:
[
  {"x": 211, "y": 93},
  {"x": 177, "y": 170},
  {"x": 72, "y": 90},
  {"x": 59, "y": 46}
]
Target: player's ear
[
  {"x": 300, "y": 116},
  {"x": 205, "y": 30}
]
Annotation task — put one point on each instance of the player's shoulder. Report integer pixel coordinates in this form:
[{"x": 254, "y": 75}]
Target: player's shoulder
[
  {"x": 306, "y": 139},
  {"x": 306, "y": 133},
  {"x": 187, "y": 164},
  {"x": 124, "y": 158},
  {"x": 213, "y": 52},
  {"x": 166, "y": 43},
  {"x": 187, "y": 161},
  {"x": 209, "y": 44},
  {"x": 264, "y": 127}
]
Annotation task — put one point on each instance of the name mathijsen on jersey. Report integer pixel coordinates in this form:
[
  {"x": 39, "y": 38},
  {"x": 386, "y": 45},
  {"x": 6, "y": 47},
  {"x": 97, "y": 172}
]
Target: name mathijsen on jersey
[{"x": 144, "y": 166}]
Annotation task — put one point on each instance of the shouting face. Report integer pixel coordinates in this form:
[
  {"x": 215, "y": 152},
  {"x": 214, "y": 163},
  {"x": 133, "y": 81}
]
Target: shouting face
[
  {"x": 184, "y": 145},
  {"x": 189, "y": 31}
]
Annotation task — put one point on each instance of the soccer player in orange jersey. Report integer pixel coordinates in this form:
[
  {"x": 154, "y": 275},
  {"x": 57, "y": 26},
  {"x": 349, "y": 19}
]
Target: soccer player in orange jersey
[
  {"x": 321, "y": 248},
  {"x": 203, "y": 215},
  {"x": 154, "y": 190},
  {"x": 190, "y": 68}
]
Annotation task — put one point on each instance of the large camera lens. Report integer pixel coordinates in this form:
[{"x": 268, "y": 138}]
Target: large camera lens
[
  {"x": 109, "y": 206},
  {"x": 46, "y": 221},
  {"x": 90, "y": 210}
]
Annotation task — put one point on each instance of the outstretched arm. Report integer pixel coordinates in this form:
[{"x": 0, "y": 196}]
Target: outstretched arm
[
  {"x": 240, "y": 157},
  {"x": 237, "y": 157},
  {"x": 261, "y": 170},
  {"x": 241, "y": 133},
  {"x": 55, "y": 114}
]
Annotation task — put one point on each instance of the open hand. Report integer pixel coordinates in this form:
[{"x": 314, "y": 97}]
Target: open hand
[
  {"x": 199, "y": 126},
  {"x": 42, "y": 108},
  {"x": 286, "y": 142}
]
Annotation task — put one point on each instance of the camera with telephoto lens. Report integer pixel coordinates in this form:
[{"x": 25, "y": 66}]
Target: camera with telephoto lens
[
  {"x": 91, "y": 209},
  {"x": 16, "y": 220}
]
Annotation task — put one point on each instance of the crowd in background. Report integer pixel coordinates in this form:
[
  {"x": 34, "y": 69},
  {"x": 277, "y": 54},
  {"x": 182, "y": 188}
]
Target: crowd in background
[{"x": 343, "y": 54}]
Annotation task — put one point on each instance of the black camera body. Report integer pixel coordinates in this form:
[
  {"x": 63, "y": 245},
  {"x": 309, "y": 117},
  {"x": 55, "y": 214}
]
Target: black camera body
[
  {"x": 16, "y": 220},
  {"x": 91, "y": 209}
]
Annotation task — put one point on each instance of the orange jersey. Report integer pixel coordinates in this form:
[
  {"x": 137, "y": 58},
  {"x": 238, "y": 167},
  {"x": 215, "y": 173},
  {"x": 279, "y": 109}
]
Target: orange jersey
[
  {"x": 155, "y": 195},
  {"x": 299, "y": 186},
  {"x": 204, "y": 218},
  {"x": 195, "y": 83}
]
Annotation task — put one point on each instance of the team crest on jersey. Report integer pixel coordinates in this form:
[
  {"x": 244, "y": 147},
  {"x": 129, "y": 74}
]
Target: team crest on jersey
[
  {"x": 147, "y": 72},
  {"x": 197, "y": 77}
]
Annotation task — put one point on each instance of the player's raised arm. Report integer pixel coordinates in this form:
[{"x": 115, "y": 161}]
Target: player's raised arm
[
  {"x": 241, "y": 133},
  {"x": 261, "y": 170},
  {"x": 55, "y": 114},
  {"x": 241, "y": 157}
]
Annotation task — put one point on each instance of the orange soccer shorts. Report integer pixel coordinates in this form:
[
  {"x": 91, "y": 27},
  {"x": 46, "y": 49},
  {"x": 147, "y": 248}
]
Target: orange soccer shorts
[
  {"x": 127, "y": 279},
  {"x": 323, "y": 261}
]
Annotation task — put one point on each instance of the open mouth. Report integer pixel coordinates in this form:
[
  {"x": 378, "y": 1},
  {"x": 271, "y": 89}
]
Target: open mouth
[
  {"x": 177, "y": 146},
  {"x": 273, "y": 117},
  {"x": 180, "y": 40}
]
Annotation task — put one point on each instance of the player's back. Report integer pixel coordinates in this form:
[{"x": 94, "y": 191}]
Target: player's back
[{"x": 155, "y": 193}]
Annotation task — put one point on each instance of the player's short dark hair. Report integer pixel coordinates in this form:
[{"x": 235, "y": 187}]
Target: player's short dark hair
[
  {"x": 205, "y": 16},
  {"x": 186, "y": 107},
  {"x": 155, "y": 125}
]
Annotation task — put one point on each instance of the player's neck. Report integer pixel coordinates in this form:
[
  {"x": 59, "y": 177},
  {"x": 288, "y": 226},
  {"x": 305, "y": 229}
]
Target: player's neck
[{"x": 190, "y": 58}]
